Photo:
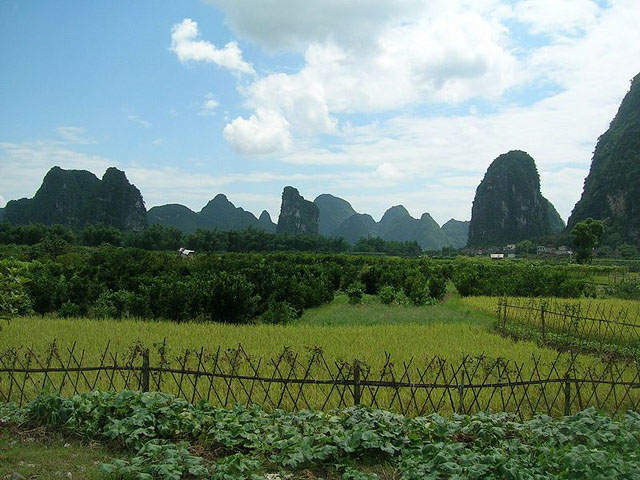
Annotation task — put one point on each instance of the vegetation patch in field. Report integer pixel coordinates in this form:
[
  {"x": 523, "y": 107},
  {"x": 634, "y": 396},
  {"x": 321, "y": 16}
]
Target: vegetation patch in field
[{"x": 164, "y": 437}]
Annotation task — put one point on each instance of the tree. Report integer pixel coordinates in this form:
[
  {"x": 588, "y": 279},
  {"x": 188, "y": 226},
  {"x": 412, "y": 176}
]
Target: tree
[
  {"x": 586, "y": 236},
  {"x": 525, "y": 246}
]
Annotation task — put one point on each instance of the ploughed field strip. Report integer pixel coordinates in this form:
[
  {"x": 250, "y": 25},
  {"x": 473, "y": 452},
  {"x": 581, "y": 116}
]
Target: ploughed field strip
[{"x": 294, "y": 381}]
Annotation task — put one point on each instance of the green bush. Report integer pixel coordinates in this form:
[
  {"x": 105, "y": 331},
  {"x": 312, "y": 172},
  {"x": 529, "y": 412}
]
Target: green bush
[
  {"x": 437, "y": 287},
  {"x": 14, "y": 297},
  {"x": 69, "y": 309},
  {"x": 387, "y": 294},
  {"x": 355, "y": 292},
  {"x": 279, "y": 313}
]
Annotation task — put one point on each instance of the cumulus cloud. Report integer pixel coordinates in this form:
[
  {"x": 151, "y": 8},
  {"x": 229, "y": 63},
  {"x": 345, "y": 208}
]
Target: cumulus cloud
[
  {"x": 449, "y": 57},
  {"x": 265, "y": 131},
  {"x": 294, "y": 24},
  {"x": 185, "y": 44},
  {"x": 443, "y": 53}
]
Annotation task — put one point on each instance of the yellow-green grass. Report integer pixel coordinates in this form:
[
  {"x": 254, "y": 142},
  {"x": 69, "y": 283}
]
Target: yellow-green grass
[
  {"x": 373, "y": 312},
  {"x": 581, "y": 317},
  {"x": 451, "y": 330},
  {"x": 489, "y": 304}
]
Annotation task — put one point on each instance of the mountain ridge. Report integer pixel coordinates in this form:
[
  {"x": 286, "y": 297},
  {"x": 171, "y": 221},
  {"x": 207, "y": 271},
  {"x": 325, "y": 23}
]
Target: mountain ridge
[{"x": 611, "y": 190}]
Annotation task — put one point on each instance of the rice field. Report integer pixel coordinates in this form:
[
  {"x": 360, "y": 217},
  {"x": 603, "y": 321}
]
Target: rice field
[
  {"x": 323, "y": 344},
  {"x": 489, "y": 305},
  {"x": 607, "y": 320}
]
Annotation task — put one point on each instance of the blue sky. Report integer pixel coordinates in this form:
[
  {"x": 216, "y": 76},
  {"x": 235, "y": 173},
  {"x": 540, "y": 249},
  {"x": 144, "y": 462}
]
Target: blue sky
[{"x": 387, "y": 103}]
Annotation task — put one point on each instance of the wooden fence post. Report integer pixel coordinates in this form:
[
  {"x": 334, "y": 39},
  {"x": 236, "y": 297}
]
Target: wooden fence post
[
  {"x": 504, "y": 314},
  {"x": 567, "y": 395},
  {"x": 145, "y": 371},
  {"x": 542, "y": 309},
  {"x": 356, "y": 383},
  {"x": 461, "y": 395}
]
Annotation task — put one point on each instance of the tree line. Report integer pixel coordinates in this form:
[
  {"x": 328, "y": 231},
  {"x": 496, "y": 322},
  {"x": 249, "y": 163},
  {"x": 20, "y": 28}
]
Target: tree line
[{"x": 57, "y": 238}]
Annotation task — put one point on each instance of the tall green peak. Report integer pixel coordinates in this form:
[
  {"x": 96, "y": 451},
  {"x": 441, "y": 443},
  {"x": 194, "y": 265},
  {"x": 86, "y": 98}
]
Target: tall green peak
[
  {"x": 76, "y": 198},
  {"x": 508, "y": 206},
  {"x": 297, "y": 215},
  {"x": 612, "y": 188}
]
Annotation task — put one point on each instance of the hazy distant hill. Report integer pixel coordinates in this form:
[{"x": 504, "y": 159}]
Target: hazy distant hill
[
  {"x": 508, "y": 206},
  {"x": 76, "y": 198},
  {"x": 396, "y": 224},
  {"x": 457, "y": 232},
  {"x": 357, "y": 226},
  {"x": 174, "y": 215},
  {"x": 338, "y": 219},
  {"x": 612, "y": 188},
  {"x": 266, "y": 223},
  {"x": 554, "y": 220},
  {"x": 217, "y": 214},
  {"x": 332, "y": 212}
]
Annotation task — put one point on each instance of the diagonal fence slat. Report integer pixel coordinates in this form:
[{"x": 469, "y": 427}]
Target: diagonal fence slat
[{"x": 295, "y": 381}]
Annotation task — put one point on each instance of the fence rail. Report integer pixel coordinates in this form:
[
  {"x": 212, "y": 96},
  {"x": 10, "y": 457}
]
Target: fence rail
[
  {"x": 593, "y": 321},
  {"x": 295, "y": 381}
]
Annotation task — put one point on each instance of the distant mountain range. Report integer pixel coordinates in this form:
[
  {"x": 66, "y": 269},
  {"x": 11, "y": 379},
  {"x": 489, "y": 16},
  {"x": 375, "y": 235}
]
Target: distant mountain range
[
  {"x": 76, "y": 198},
  {"x": 218, "y": 214},
  {"x": 508, "y": 206}
]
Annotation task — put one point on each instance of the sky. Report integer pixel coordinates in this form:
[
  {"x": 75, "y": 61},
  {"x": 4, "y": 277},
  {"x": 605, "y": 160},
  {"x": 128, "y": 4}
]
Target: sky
[{"x": 379, "y": 102}]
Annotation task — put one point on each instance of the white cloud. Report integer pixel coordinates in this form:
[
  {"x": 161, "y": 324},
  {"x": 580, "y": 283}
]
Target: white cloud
[
  {"x": 139, "y": 121},
  {"x": 449, "y": 57},
  {"x": 557, "y": 16},
  {"x": 294, "y": 24},
  {"x": 3, "y": 202},
  {"x": 209, "y": 105},
  {"x": 185, "y": 44},
  {"x": 446, "y": 57},
  {"x": 74, "y": 135},
  {"x": 264, "y": 132}
]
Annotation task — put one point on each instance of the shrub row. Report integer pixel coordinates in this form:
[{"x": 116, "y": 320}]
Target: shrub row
[{"x": 116, "y": 282}]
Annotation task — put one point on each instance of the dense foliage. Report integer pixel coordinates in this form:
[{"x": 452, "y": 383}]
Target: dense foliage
[
  {"x": 115, "y": 282},
  {"x": 586, "y": 237},
  {"x": 517, "y": 278},
  {"x": 160, "y": 435}
]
